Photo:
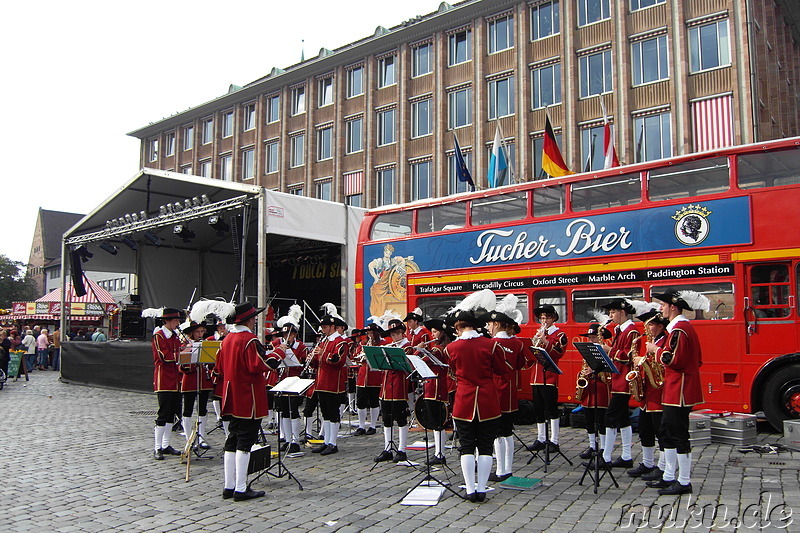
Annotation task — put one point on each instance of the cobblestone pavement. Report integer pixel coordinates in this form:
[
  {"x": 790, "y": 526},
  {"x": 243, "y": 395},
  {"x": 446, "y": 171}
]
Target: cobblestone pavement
[{"x": 80, "y": 459}]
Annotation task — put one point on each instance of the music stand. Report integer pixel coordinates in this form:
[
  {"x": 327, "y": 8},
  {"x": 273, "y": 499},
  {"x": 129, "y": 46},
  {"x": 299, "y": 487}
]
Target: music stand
[
  {"x": 548, "y": 365},
  {"x": 598, "y": 360},
  {"x": 196, "y": 354},
  {"x": 291, "y": 386}
]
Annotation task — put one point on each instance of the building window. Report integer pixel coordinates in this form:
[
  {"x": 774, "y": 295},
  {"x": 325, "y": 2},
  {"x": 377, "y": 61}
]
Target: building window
[
  {"x": 421, "y": 60},
  {"x": 226, "y": 167},
  {"x": 501, "y": 34},
  {"x": 650, "y": 60},
  {"x": 546, "y": 86},
  {"x": 271, "y": 157},
  {"x": 186, "y": 169},
  {"x": 421, "y": 118},
  {"x": 536, "y": 160},
  {"x": 545, "y": 20},
  {"x": 386, "y": 72},
  {"x": 501, "y": 97},
  {"x": 355, "y": 200},
  {"x": 207, "y": 133},
  {"x": 355, "y": 82},
  {"x": 273, "y": 108},
  {"x": 188, "y": 137},
  {"x": 324, "y": 190},
  {"x": 708, "y": 46},
  {"x": 641, "y": 4},
  {"x": 122, "y": 284},
  {"x": 420, "y": 180},
  {"x": 297, "y": 155},
  {"x": 595, "y": 73},
  {"x": 454, "y": 185},
  {"x": 249, "y": 117},
  {"x": 169, "y": 144},
  {"x": 459, "y": 111},
  {"x": 248, "y": 164},
  {"x": 152, "y": 150},
  {"x": 324, "y": 143},
  {"x": 298, "y": 101},
  {"x": 386, "y": 130},
  {"x": 592, "y": 157},
  {"x": 459, "y": 47},
  {"x": 227, "y": 124},
  {"x": 205, "y": 168},
  {"x": 590, "y": 11},
  {"x": 355, "y": 135},
  {"x": 653, "y": 137},
  {"x": 385, "y": 187},
  {"x": 325, "y": 92},
  {"x": 297, "y": 191}
]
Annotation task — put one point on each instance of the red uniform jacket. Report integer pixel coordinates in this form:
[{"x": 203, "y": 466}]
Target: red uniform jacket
[
  {"x": 555, "y": 343},
  {"x": 422, "y": 334},
  {"x": 625, "y": 335},
  {"x": 330, "y": 363},
  {"x": 682, "y": 359},
  {"x": 508, "y": 385},
  {"x": 165, "y": 358},
  {"x": 189, "y": 377},
  {"x": 244, "y": 393},
  {"x": 652, "y": 397},
  {"x": 300, "y": 352},
  {"x": 437, "y": 388},
  {"x": 475, "y": 359},
  {"x": 395, "y": 384},
  {"x": 367, "y": 377}
]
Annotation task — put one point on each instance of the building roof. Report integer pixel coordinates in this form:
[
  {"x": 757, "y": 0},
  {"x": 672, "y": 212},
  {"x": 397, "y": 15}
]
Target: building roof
[{"x": 54, "y": 225}]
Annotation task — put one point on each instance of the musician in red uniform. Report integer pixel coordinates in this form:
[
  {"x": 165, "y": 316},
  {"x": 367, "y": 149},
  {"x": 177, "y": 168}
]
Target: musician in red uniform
[
  {"x": 682, "y": 357},
  {"x": 329, "y": 358},
  {"x": 554, "y": 341},
  {"x": 417, "y": 332},
  {"x": 503, "y": 328},
  {"x": 368, "y": 383},
  {"x": 436, "y": 391},
  {"x": 650, "y": 407},
  {"x": 394, "y": 398},
  {"x": 242, "y": 362},
  {"x": 293, "y": 353},
  {"x": 166, "y": 347},
  {"x": 475, "y": 360},
  {"x": 194, "y": 377},
  {"x": 216, "y": 394},
  {"x": 618, "y": 416},
  {"x": 595, "y": 395}
]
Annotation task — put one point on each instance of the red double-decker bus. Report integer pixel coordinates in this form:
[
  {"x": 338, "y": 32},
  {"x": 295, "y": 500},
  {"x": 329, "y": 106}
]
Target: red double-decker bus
[{"x": 723, "y": 223}]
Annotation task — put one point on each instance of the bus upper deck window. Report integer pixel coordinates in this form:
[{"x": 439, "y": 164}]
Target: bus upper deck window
[
  {"x": 769, "y": 169},
  {"x": 694, "y": 178},
  {"x": 501, "y": 208},
  {"x": 391, "y": 225},
  {"x": 549, "y": 200},
  {"x": 611, "y": 191},
  {"x": 442, "y": 217}
]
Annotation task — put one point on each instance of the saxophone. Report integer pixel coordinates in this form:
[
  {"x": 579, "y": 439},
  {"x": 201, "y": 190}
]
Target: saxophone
[
  {"x": 582, "y": 382},
  {"x": 635, "y": 377}
]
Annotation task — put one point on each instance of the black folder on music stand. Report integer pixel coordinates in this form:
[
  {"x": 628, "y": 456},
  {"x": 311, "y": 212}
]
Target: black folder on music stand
[{"x": 599, "y": 361}]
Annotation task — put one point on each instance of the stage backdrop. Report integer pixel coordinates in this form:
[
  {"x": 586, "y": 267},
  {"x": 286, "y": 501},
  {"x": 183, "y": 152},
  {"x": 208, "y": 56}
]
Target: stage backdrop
[{"x": 126, "y": 365}]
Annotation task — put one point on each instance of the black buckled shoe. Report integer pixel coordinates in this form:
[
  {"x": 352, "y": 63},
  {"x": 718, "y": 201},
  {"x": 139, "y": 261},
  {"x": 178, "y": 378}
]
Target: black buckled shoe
[
  {"x": 227, "y": 494},
  {"x": 319, "y": 449},
  {"x": 249, "y": 494},
  {"x": 640, "y": 470},
  {"x": 331, "y": 449},
  {"x": 399, "y": 457},
  {"x": 384, "y": 456},
  {"x": 552, "y": 447},
  {"x": 471, "y": 497},
  {"x": 480, "y": 497},
  {"x": 619, "y": 462},
  {"x": 536, "y": 446},
  {"x": 587, "y": 453},
  {"x": 371, "y": 431},
  {"x": 654, "y": 475},
  {"x": 494, "y": 477},
  {"x": 590, "y": 463},
  {"x": 437, "y": 460},
  {"x": 158, "y": 455},
  {"x": 676, "y": 489},
  {"x": 659, "y": 484},
  {"x": 169, "y": 450},
  {"x": 360, "y": 431},
  {"x": 293, "y": 448}
]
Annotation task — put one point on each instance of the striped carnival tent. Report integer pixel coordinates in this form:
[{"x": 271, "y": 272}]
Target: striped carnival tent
[
  {"x": 95, "y": 305},
  {"x": 94, "y": 294}
]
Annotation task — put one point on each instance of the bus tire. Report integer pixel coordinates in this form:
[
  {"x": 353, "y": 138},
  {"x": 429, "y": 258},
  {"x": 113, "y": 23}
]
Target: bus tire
[{"x": 781, "y": 396}]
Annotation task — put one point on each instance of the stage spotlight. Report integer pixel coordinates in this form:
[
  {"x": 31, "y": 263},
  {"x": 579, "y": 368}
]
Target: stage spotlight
[
  {"x": 142, "y": 216},
  {"x": 195, "y": 201},
  {"x": 84, "y": 253},
  {"x": 187, "y": 204},
  {"x": 162, "y": 210},
  {"x": 127, "y": 241},
  {"x": 154, "y": 239},
  {"x": 177, "y": 207},
  {"x": 183, "y": 231},
  {"x": 108, "y": 247},
  {"x": 216, "y": 222},
  {"x": 128, "y": 219},
  {"x": 204, "y": 200}
]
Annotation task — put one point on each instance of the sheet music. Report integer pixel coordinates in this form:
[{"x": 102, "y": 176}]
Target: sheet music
[
  {"x": 421, "y": 368},
  {"x": 290, "y": 359},
  {"x": 293, "y": 385}
]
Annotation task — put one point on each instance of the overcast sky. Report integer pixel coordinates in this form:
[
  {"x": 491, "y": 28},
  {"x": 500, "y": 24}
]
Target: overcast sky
[{"x": 79, "y": 75}]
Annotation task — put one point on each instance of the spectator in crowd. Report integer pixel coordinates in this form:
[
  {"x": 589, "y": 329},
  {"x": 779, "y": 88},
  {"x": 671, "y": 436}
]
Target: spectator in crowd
[
  {"x": 89, "y": 333},
  {"x": 5, "y": 349},
  {"x": 99, "y": 336},
  {"x": 56, "y": 362},
  {"x": 16, "y": 341},
  {"x": 80, "y": 336},
  {"x": 29, "y": 344},
  {"x": 42, "y": 352}
]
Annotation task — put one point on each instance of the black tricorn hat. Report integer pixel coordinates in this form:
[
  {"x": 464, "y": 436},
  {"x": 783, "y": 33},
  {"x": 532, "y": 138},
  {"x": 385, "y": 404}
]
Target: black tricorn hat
[
  {"x": 546, "y": 308},
  {"x": 187, "y": 330},
  {"x": 594, "y": 329},
  {"x": 497, "y": 316},
  {"x": 169, "y": 313},
  {"x": 435, "y": 323},
  {"x": 395, "y": 324},
  {"x": 672, "y": 297},
  {"x": 463, "y": 316},
  {"x": 655, "y": 315},
  {"x": 330, "y": 320},
  {"x": 413, "y": 316},
  {"x": 620, "y": 303},
  {"x": 245, "y": 312}
]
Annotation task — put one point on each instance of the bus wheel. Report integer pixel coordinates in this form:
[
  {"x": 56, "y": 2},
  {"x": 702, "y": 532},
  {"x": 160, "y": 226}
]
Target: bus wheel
[{"x": 781, "y": 396}]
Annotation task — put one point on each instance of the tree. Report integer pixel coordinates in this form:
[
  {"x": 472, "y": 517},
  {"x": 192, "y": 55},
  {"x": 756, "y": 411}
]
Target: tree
[{"x": 15, "y": 286}]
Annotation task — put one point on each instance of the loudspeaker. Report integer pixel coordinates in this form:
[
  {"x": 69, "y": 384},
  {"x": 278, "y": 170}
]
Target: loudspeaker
[
  {"x": 132, "y": 325},
  {"x": 77, "y": 274}
]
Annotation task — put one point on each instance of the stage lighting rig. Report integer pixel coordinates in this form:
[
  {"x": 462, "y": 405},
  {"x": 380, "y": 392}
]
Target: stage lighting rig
[{"x": 183, "y": 231}]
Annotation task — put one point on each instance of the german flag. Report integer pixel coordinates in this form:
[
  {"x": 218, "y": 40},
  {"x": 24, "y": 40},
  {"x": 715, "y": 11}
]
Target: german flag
[{"x": 552, "y": 162}]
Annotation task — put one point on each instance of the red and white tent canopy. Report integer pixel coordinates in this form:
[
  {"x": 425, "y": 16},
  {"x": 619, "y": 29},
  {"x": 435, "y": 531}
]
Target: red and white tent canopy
[{"x": 94, "y": 294}]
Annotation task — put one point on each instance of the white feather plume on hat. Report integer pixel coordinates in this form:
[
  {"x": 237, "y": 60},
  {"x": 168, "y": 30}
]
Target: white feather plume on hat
[
  {"x": 330, "y": 309},
  {"x": 641, "y": 307},
  {"x": 383, "y": 320},
  {"x": 696, "y": 301},
  {"x": 484, "y": 299},
  {"x": 599, "y": 316},
  {"x": 508, "y": 306},
  {"x": 219, "y": 308},
  {"x": 417, "y": 311},
  {"x": 153, "y": 312},
  {"x": 292, "y": 317}
]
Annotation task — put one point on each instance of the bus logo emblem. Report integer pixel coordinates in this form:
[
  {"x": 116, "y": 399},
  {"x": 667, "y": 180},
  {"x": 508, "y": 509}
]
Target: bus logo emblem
[{"x": 691, "y": 224}]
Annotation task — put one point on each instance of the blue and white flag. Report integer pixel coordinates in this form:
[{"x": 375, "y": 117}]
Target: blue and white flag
[
  {"x": 462, "y": 172},
  {"x": 498, "y": 165}
]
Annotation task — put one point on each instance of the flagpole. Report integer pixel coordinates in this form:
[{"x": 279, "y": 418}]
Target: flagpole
[{"x": 503, "y": 148}]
